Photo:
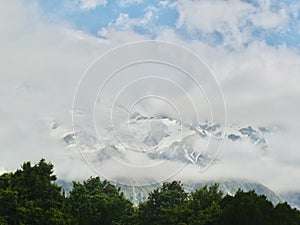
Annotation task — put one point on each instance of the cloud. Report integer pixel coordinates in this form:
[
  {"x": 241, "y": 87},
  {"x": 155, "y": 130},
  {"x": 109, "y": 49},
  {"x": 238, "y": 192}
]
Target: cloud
[
  {"x": 127, "y": 24},
  {"x": 235, "y": 21},
  {"x": 126, "y": 3},
  {"x": 266, "y": 19},
  {"x": 211, "y": 15},
  {"x": 42, "y": 62},
  {"x": 91, "y": 4},
  {"x": 2, "y": 170}
]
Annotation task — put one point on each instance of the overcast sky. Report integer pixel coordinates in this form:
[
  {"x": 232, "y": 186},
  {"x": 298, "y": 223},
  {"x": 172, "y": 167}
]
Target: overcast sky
[{"x": 252, "y": 47}]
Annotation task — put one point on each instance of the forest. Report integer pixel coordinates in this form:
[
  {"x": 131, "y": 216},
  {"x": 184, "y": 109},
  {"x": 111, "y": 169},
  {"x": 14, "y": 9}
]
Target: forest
[{"x": 30, "y": 196}]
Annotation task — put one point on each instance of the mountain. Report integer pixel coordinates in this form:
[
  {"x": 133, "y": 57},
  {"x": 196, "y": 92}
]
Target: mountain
[
  {"x": 230, "y": 186},
  {"x": 163, "y": 138},
  {"x": 293, "y": 198},
  {"x": 138, "y": 194},
  {"x": 159, "y": 138}
]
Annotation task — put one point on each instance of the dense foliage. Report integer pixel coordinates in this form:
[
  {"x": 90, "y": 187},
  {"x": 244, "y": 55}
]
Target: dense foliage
[{"x": 29, "y": 196}]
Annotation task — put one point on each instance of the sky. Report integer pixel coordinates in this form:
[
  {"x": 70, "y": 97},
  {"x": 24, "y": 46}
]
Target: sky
[{"x": 252, "y": 47}]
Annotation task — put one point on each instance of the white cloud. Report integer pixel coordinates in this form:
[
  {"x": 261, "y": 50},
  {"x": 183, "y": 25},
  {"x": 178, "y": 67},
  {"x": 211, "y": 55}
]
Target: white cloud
[
  {"x": 164, "y": 4},
  {"x": 2, "y": 170},
  {"x": 125, "y": 23},
  {"x": 91, "y": 4},
  {"x": 41, "y": 64},
  {"x": 265, "y": 18},
  {"x": 232, "y": 19},
  {"x": 126, "y": 3},
  {"x": 212, "y": 15}
]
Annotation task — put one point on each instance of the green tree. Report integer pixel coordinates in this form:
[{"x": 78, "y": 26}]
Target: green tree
[
  {"x": 285, "y": 215},
  {"x": 204, "y": 205},
  {"x": 165, "y": 205},
  {"x": 95, "y": 202},
  {"x": 8, "y": 206},
  {"x": 29, "y": 196},
  {"x": 246, "y": 208}
]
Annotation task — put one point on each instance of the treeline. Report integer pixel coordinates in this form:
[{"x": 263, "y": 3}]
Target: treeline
[{"x": 29, "y": 196}]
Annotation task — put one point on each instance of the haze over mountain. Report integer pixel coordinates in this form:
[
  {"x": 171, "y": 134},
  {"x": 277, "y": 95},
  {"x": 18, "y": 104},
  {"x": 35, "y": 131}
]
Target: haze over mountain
[
  {"x": 163, "y": 138},
  {"x": 155, "y": 139}
]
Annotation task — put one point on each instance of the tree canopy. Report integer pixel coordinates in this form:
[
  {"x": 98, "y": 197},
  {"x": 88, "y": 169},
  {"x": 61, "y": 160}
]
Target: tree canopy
[{"x": 29, "y": 196}]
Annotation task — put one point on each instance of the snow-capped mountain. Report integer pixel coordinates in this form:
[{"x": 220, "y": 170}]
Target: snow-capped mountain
[
  {"x": 159, "y": 138},
  {"x": 292, "y": 197},
  {"x": 165, "y": 138},
  {"x": 138, "y": 194}
]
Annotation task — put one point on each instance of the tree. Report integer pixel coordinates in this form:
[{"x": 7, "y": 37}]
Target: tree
[
  {"x": 246, "y": 208},
  {"x": 285, "y": 215},
  {"x": 8, "y": 206},
  {"x": 165, "y": 205},
  {"x": 204, "y": 205},
  {"x": 29, "y": 196},
  {"x": 95, "y": 202}
]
